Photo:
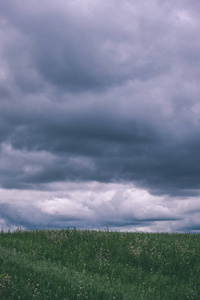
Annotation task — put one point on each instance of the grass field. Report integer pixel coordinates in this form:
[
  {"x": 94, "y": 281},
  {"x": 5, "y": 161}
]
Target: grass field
[{"x": 81, "y": 264}]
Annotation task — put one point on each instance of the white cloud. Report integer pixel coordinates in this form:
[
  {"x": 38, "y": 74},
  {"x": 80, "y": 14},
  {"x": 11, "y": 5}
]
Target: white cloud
[
  {"x": 185, "y": 17},
  {"x": 96, "y": 205}
]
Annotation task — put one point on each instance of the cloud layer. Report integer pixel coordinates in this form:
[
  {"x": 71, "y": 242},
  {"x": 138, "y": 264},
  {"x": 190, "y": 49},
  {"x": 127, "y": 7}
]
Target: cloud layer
[
  {"x": 104, "y": 92},
  {"x": 95, "y": 205}
]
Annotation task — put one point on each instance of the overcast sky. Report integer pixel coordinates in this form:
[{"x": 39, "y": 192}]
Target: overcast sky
[{"x": 100, "y": 114}]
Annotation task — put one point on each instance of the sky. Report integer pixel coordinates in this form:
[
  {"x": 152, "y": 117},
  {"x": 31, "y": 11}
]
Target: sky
[{"x": 100, "y": 115}]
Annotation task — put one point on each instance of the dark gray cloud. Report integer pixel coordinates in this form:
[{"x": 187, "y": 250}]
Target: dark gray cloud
[
  {"x": 81, "y": 47},
  {"x": 99, "y": 91},
  {"x": 103, "y": 148}
]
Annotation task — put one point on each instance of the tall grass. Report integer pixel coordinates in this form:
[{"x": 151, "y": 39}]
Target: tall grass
[{"x": 81, "y": 264}]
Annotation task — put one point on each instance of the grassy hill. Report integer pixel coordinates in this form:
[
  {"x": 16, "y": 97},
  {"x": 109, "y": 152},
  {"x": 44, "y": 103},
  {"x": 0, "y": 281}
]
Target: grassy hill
[{"x": 81, "y": 264}]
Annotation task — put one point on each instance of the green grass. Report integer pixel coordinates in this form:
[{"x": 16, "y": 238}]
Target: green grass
[{"x": 81, "y": 264}]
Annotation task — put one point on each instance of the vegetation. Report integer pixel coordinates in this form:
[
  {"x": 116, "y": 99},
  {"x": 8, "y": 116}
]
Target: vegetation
[{"x": 82, "y": 264}]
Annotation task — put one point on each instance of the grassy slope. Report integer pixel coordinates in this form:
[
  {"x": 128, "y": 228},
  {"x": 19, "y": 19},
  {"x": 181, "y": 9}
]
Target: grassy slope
[{"x": 73, "y": 264}]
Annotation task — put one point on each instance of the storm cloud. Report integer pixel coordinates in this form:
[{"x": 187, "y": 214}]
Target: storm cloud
[{"x": 104, "y": 92}]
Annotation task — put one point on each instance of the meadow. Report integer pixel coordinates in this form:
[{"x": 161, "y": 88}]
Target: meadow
[{"x": 71, "y": 264}]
